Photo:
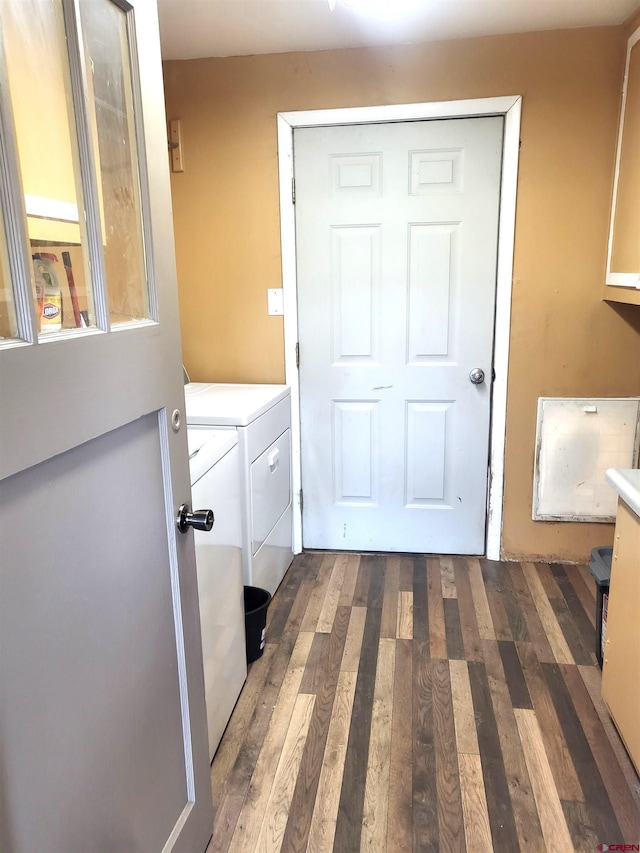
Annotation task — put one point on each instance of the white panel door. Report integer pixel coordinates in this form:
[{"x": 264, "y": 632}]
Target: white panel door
[
  {"x": 396, "y": 236},
  {"x": 103, "y": 737}
]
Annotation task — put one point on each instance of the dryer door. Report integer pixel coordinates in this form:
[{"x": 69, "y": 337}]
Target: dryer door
[{"x": 270, "y": 488}]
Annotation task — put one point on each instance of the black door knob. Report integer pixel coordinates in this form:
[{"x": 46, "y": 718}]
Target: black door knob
[{"x": 199, "y": 519}]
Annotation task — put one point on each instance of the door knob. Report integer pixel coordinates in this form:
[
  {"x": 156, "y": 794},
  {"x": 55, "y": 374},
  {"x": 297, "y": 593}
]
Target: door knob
[
  {"x": 477, "y": 376},
  {"x": 199, "y": 519}
]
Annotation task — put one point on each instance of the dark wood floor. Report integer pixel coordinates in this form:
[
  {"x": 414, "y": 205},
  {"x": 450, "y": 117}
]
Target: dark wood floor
[{"x": 427, "y": 704}]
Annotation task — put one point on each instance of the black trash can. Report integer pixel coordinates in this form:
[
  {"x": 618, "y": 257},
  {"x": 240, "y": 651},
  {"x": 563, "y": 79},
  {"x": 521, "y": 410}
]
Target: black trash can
[
  {"x": 256, "y": 602},
  {"x": 600, "y": 568}
]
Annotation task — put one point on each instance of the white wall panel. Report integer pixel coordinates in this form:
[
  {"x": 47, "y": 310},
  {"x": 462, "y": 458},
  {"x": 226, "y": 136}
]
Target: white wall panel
[
  {"x": 431, "y": 271},
  {"x": 436, "y": 171},
  {"x": 356, "y": 174},
  {"x": 577, "y": 439},
  {"x": 426, "y": 438},
  {"x": 356, "y": 281},
  {"x": 356, "y": 442}
]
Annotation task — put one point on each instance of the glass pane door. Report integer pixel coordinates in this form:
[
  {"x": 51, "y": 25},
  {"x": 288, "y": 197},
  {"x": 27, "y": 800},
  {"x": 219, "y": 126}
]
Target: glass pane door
[
  {"x": 37, "y": 68},
  {"x": 116, "y": 757},
  {"x": 8, "y": 324},
  {"x": 106, "y": 42}
]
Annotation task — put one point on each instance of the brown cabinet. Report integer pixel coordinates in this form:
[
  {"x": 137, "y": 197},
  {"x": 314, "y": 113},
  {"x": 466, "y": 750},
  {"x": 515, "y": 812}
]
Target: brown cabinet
[{"x": 621, "y": 669}]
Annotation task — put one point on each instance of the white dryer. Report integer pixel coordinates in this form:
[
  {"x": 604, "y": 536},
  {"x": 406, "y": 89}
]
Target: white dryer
[
  {"x": 261, "y": 416},
  {"x": 214, "y": 465}
]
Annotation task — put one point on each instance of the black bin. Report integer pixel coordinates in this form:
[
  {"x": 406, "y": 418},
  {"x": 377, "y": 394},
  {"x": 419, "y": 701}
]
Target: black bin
[
  {"x": 256, "y": 602},
  {"x": 600, "y": 568}
]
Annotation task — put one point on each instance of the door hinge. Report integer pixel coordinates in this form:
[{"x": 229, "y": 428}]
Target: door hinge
[
  {"x": 297, "y": 355},
  {"x": 293, "y": 190},
  {"x": 301, "y": 501}
]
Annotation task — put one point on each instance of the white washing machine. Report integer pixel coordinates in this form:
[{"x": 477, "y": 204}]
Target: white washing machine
[
  {"x": 261, "y": 416},
  {"x": 214, "y": 463}
]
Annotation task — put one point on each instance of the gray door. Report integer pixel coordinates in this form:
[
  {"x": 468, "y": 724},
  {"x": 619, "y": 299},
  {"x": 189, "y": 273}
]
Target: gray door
[{"x": 103, "y": 739}]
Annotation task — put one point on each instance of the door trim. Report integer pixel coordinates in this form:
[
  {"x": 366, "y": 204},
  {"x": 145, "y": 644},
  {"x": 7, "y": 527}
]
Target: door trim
[{"x": 509, "y": 107}]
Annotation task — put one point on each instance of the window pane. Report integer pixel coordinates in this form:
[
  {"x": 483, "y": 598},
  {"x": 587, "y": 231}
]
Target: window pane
[
  {"x": 8, "y": 327},
  {"x": 107, "y": 47},
  {"x": 40, "y": 90}
]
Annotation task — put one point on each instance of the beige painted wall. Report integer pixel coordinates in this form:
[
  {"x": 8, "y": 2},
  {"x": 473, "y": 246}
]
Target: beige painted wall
[{"x": 564, "y": 340}]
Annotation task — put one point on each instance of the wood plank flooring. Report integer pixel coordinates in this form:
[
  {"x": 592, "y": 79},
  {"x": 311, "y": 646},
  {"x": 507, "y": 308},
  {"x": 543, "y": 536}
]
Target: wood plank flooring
[{"x": 417, "y": 703}]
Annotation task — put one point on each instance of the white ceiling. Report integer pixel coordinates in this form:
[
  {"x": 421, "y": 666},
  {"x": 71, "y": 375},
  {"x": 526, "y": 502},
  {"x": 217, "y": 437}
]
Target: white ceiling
[{"x": 198, "y": 28}]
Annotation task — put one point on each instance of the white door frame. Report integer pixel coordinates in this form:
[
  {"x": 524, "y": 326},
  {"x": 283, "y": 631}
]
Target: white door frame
[{"x": 510, "y": 108}]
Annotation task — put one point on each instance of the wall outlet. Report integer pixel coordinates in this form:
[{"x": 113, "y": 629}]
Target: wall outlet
[{"x": 274, "y": 301}]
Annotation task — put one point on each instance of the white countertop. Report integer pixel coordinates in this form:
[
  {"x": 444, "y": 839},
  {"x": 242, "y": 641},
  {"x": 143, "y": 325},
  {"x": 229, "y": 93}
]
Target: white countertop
[
  {"x": 626, "y": 482},
  {"x": 229, "y": 404}
]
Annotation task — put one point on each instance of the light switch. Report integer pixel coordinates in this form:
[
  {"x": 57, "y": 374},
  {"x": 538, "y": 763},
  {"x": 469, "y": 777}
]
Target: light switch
[{"x": 274, "y": 301}]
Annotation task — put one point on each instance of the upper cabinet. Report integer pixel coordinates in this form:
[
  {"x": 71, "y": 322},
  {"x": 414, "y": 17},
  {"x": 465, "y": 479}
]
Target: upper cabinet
[{"x": 623, "y": 256}]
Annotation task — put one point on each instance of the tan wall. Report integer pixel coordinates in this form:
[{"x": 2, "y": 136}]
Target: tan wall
[{"x": 564, "y": 340}]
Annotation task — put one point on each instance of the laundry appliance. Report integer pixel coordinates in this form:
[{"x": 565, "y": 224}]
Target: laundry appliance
[
  {"x": 214, "y": 464},
  {"x": 261, "y": 417}
]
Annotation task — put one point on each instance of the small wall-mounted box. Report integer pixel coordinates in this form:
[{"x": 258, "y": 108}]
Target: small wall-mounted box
[{"x": 577, "y": 439}]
